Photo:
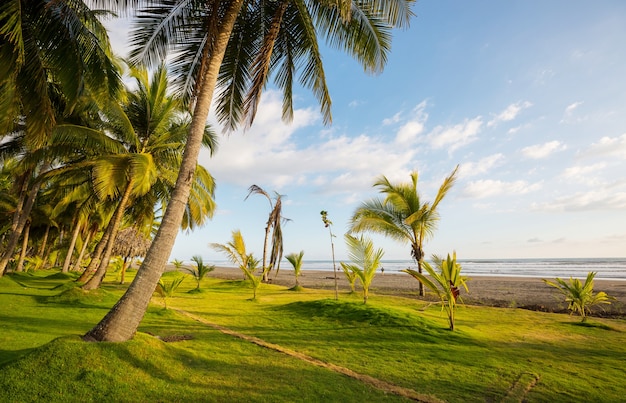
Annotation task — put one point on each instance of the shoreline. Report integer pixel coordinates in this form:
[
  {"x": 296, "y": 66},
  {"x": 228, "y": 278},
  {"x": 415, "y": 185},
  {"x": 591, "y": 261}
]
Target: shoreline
[{"x": 486, "y": 290}]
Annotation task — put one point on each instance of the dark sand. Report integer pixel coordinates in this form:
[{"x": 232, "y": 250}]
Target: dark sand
[{"x": 513, "y": 292}]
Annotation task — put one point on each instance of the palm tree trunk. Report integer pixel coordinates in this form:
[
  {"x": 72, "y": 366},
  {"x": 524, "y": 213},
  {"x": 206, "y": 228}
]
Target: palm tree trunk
[
  {"x": 26, "y": 233},
  {"x": 95, "y": 256},
  {"x": 83, "y": 249},
  {"x": 95, "y": 281},
  {"x": 44, "y": 241},
  {"x": 121, "y": 323},
  {"x": 17, "y": 227},
  {"x": 70, "y": 249}
]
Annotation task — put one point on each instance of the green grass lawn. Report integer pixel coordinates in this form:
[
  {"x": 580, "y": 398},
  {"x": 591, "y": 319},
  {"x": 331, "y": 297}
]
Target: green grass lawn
[{"x": 495, "y": 354}]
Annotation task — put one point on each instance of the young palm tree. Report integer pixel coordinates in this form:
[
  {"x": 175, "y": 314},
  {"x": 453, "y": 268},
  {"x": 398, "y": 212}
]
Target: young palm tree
[
  {"x": 350, "y": 275},
  {"x": 365, "y": 260},
  {"x": 236, "y": 252},
  {"x": 167, "y": 289},
  {"x": 402, "y": 215},
  {"x": 445, "y": 283},
  {"x": 296, "y": 262},
  {"x": 200, "y": 271},
  {"x": 580, "y": 297},
  {"x": 229, "y": 44},
  {"x": 272, "y": 227}
]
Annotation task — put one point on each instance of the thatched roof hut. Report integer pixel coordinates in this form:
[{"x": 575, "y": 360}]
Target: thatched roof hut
[{"x": 131, "y": 243}]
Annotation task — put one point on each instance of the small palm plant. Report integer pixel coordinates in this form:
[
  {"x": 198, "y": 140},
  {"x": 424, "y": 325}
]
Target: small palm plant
[
  {"x": 365, "y": 260},
  {"x": 445, "y": 284},
  {"x": 178, "y": 264},
  {"x": 350, "y": 276},
  {"x": 579, "y": 296},
  {"x": 235, "y": 250},
  {"x": 296, "y": 261},
  {"x": 200, "y": 271},
  {"x": 166, "y": 290}
]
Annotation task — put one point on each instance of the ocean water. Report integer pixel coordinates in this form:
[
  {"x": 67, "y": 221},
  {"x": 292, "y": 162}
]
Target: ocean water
[{"x": 607, "y": 268}]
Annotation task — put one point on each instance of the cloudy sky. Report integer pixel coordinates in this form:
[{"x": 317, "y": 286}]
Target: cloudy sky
[{"x": 528, "y": 97}]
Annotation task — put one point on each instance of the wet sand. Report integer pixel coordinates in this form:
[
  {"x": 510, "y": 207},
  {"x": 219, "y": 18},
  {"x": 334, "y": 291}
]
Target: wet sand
[{"x": 501, "y": 291}]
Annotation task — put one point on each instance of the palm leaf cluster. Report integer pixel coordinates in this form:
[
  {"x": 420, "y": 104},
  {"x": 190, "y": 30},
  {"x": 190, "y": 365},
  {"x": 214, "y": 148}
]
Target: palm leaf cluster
[
  {"x": 580, "y": 296},
  {"x": 445, "y": 283},
  {"x": 365, "y": 261}
]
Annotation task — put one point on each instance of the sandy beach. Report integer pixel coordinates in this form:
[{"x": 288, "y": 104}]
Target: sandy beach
[{"x": 513, "y": 292}]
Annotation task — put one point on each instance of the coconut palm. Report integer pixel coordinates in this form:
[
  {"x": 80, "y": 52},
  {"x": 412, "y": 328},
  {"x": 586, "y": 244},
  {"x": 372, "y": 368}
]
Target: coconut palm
[
  {"x": 167, "y": 289},
  {"x": 445, "y": 283},
  {"x": 273, "y": 227},
  {"x": 236, "y": 252},
  {"x": 350, "y": 275},
  {"x": 236, "y": 46},
  {"x": 200, "y": 271},
  {"x": 296, "y": 262},
  {"x": 365, "y": 260},
  {"x": 580, "y": 297},
  {"x": 329, "y": 224},
  {"x": 402, "y": 215}
]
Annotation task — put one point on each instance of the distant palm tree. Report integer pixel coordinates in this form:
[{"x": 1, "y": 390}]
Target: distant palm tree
[
  {"x": 296, "y": 261},
  {"x": 580, "y": 297},
  {"x": 402, "y": 215},
  {"x": 445, "y": 283},
  {"x": 167, "y": 289},
  {"x": 235, "y": 251},
  {"x": 273, "y": 227},
  {"x": 365, "y": 260},
  {"x": 200, "y": 271}
]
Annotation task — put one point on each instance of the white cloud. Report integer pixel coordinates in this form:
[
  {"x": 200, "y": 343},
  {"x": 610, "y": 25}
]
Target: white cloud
[
  {"x": 569, "y": 112},
  {"x": 482, "y": 166},
  {"x": 580, "y": 172},
  {"x": 509, "y": 113},
  {"x": 609, "y": 147},
  {"x": 410, "y": 130},
  {"x": 392, "y": 120},
  {"x": 539, "y": 151},
  {"x": 490, "y": 188},
  {"x": 457, "y": 136},
  {"x": 598, "y": 199}
]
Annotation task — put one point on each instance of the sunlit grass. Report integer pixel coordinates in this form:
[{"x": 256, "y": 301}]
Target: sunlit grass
[{"x": 495, "y": 354}]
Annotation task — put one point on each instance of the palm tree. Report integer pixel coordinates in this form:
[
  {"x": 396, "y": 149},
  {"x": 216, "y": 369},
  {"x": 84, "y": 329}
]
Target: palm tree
[
  {"x": 296, "y": 261},
  {"x": 350, "y": 275},
  {"x": 200, "y": 271},
  {"x": 580, "y": 297},
  {"x": 365, "y": 260},
  {"x": 402, "y": 215},
  {"x": 168, "y": 289},
  {"x": 236, "y": 252},
  {"x": 445, "y": 283},
  {"x": 272, "y": 226},
  {"x": 329, "y": 224},
  {"x": 229, "y": 45}
]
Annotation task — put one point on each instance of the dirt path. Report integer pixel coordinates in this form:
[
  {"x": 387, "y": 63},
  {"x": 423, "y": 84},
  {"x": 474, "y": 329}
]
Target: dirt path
[{"x": 377, "y": 383}]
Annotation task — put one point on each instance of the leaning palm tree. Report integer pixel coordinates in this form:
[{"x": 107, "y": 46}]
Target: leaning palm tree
[
  {"x": 235, "y": 47},
  {"x": 402, "y": 215},
  {"x": 580, "y": 297},
  {"x": 445, "y": 283},
  {"x": 296, "y": 262},
  {"x": 365, "y": 260},
  {"x": 273, "y": 227}
]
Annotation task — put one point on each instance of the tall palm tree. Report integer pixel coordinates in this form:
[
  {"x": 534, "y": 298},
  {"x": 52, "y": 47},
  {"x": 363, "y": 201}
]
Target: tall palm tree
[
  {"x": 236, "y": 45},
  {"x": 273, "y": 227},
  {"x": 402, "y": 215}
]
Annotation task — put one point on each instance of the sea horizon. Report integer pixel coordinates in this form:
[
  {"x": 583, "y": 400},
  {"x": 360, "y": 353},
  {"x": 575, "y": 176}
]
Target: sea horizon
[{"x": 606, "y": 268}]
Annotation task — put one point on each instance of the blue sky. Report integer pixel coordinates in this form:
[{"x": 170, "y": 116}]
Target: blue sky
[{"x": 528, "y": 97}]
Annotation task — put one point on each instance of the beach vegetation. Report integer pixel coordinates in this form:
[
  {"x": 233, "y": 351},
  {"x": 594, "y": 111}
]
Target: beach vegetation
[
  {"x": 444, "y": 282},
  {"x": 273, "y": 228},
  {"x": 167, "y": 288},
  {"x": 236, "y": 252},
  {"x": 365, "y": 260},
  {"x": 178, "y": 264},
  {"x": 329, "y": 224},
  {"x": 296, "y": 262},
  {"x": 200, "y": 270},
  {"x": 580, "y": 296},
  {"x": 402, "y": 215}
]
